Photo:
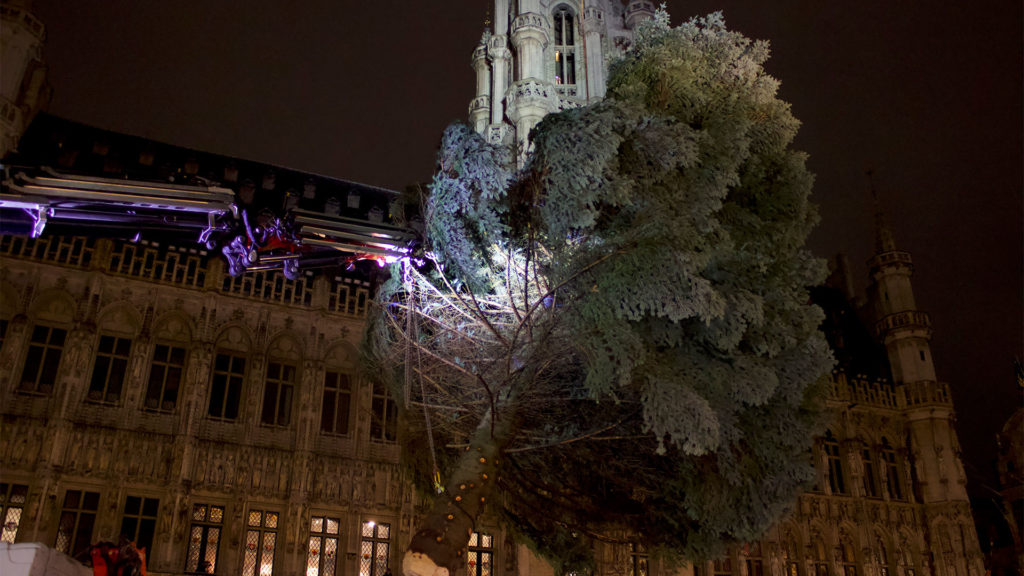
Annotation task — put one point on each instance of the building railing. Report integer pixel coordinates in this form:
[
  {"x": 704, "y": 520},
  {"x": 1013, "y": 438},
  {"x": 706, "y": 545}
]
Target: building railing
[
  {"x": 74, "y": 251},
  {"x": 270, "y": 286},
  {"x": 927, "y": 392},
  {"x": 860, "y": 390},
  {"x": 151, "y": 261},
  {"x": 191, "y": 268},
  {"x": 908, "y": 318},
  {"x": 349, "y": 297}
]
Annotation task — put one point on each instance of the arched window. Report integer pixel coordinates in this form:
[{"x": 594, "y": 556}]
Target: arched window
[
  {"x": 867, "y": 460},
  {"x": 790, "y": 555},
  {"x": 278, "y": 393},
  {"x": 564, "y": 24},
  {"x": 45, "y": 348},
  {"x": 117, "y": 325},
  {"x": 383, "y": 414},
  {"x": 282, "y": 376},
  {"x": 820, "y": 558},
  {"x": 883, "y": 557},
  {"x": 847, "y": 560},
  {"x": 337, "y": 398},
  {"x": 722, "y": 566},
  {"x": 638, "y": 560},
  {"x": 892, "y": 470},
  {"x": 480, "y": 554},
  {"x": 167, "y": 365},
  {"x": 835, "y": 464},
  {"x": 754, "y": 560},
  {"x": 229, "y": 366},
  {"x": 907, "y": 561}
]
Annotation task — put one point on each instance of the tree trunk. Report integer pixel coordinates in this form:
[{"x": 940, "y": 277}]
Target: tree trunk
[{"x": 439, "y": 546}]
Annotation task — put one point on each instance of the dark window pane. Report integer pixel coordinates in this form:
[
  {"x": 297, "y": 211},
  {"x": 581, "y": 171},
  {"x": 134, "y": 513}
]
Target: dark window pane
[{"x": 92, "y": 501}]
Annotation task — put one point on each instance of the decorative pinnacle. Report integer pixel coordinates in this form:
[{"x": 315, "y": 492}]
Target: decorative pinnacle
[{"x": 884, "y": 241}]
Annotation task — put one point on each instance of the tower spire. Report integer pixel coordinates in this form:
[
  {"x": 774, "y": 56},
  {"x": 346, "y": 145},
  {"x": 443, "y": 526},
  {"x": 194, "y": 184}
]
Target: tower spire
[{"x": 884, "y": 240}]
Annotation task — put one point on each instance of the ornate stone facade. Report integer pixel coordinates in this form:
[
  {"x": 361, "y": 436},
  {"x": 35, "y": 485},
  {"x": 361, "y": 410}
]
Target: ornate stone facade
[
  {"x": 541, "y": 56},
  {"x": 216, "y": 419},
  {"x": 60, "y": 437}
]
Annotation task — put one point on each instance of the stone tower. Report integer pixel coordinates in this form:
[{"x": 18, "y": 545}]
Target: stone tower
[
  {"x": 542, "y": 56},
  {"x": 23, "y": 88},
  {"x": 931, "y": 439}
]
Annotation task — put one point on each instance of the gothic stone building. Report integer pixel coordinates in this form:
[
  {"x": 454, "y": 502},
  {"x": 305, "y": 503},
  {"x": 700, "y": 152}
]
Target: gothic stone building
[{"x": 222, "y": 423}]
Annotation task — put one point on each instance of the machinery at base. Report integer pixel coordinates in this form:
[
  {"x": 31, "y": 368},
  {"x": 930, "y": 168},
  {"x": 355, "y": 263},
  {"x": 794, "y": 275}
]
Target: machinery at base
[{"x": 34, "y": 200}]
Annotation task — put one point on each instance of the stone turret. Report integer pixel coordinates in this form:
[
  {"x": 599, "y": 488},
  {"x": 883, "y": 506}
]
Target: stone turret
[
  {"x": 23, "y": 88},
  {"x": 906, "y": 333},
  {"x": 542, "y": 56},
  {"x": 934, "y": 449}
]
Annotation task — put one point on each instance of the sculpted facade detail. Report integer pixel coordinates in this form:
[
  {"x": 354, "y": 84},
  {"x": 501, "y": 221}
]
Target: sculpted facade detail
[{"x": 182, "y": 451}]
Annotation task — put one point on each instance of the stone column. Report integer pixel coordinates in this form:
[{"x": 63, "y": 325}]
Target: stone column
[
  {"x": 480, "y": 107},
  {"x": 530, "y": 97},
  {"x": 593, "y": 27},
  {"x": 500, "y": 57},
  {"x": 530, "y": 37}
]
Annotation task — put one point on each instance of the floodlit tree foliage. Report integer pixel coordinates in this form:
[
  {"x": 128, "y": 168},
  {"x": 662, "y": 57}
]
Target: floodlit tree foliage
[{"x": 615, "y": 343}]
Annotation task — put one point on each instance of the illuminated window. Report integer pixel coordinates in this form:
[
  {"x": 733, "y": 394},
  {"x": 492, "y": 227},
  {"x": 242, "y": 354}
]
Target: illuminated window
[
  {"x": 892, "y": 470},
  {"x": 278, "y": 393},
  {"x": 165, "y": 378},
  {"x": 138, "y": 521},
  {"x": 637, "y": 560},
  {"x": 260, "y": 543},
  {"x": 384, "y": 417},
  {"x": 790, "y": 556},
  {"x": 44, "y": 351},
  {"x": 375, "y": 550},
  {"x": 883, "y": 557},
  {"x": 337, "y": 404},
  {"x": 77, "y": 518},
  {"x": 322, "y": 555},
  {"x": 12, "y": 504},
  {"x": 835, "y": 464},
  {"x": 565, "y": 46},
  {"x": 907, "y": 562},
  {"x": 481, "y": 554},
  {"x": 847, "y": 561},
  {"x": 204, "y": 539},
  {"x": 754, "y": 560},
  {"x": 870, "y": 475},
  {"x": 722, "y": 566},
  {"x": 820, "y": 559},
  {"x": 226, "y": 386},
  {"x": 109, "y": 371}
]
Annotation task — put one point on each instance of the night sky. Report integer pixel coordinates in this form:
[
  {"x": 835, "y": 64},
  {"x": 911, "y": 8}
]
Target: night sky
[{"x": 927, "y": 94}]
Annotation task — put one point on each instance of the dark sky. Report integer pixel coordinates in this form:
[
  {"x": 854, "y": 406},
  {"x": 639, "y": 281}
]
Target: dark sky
[{"x": 928, "y": 94}]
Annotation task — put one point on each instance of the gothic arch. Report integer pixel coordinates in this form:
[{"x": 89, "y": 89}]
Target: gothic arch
[
  {"x": 53, "y": 305},
  {"x": 818, "y": 549},
  {"x": 119, "y": 317},
  {"x": 174, "y": 326},
  {"x": 282, "y": 379},
  {"x": 342, "y": 354},
  {"x": 848, "y": 551},
  {"x": 792, "y": 550},
  {"x": 882, "y": 549},
  {"x": 234, "y": 336},
  {"x": 286, "y": 344},
  {"x": 907, "y": 552}
]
